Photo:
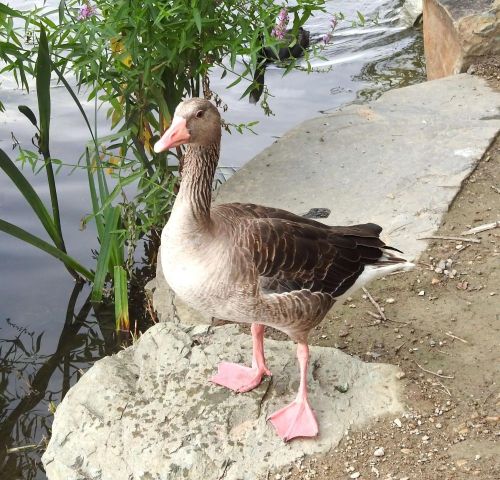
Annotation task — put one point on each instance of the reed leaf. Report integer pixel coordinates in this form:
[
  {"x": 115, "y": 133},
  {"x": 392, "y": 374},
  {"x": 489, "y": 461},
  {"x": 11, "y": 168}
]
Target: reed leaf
[
  {"x": 111, "y": 218},
  {"x": 42, "y": 70},
  {"x": 27, "y": 112},
  {"x": 114, "y": 193},
  {"x": 94, "y": 197},
  {"x": 25, "y": 188},
  {"x": 37, "y": 242},
  {"x": 75, "y": 98},
  {"x": 121, "y": 299}
]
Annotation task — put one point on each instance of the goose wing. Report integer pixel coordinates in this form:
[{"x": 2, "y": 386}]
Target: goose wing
[{"x": 293, "y": 255}]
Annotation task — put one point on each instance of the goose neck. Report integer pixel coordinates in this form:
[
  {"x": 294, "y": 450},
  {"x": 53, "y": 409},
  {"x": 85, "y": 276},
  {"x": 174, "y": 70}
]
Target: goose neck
[{"x": 200, "y": 162}]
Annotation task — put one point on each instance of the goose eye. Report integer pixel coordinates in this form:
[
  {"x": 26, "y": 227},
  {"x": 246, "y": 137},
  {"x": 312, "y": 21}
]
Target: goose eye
[{"x": 199, "y": 114}]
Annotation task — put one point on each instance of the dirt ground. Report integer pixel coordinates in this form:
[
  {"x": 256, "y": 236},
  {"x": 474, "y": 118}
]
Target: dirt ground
[{"x": 443, "y": 330}]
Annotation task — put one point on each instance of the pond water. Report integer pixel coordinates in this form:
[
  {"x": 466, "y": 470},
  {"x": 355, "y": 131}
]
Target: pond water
[{"x": 48, "y": 331}]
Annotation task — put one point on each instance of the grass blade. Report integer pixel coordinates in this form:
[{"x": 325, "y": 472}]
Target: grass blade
[
  {"x": 112, "y": 217},
  {"x": 37, "y": 242},
  {"x": 43, "y": 73},
  {"x": 93, "y": 195},
  {"x": 25, "y": 188},
  {"x": 121, "y": 299},
  {"x": 75, "y": 99},
  {"x": 42, "y": 70}
]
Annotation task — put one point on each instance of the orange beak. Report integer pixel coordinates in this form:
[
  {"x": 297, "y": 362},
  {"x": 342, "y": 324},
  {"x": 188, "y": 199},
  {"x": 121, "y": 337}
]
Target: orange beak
[{"x": 177, "y": 134}]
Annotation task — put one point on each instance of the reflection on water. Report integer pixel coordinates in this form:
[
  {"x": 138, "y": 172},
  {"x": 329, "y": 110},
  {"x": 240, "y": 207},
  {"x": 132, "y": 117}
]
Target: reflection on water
[
  {"x": 31, "y": 380},
  {"x": 48, "y": 330},
  {"x": 401, "y": 69}
]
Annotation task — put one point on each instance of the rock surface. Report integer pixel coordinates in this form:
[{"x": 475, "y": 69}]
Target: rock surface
[
  {"x": 149, "y": 412},
  {"x": 457, "y": 33}
]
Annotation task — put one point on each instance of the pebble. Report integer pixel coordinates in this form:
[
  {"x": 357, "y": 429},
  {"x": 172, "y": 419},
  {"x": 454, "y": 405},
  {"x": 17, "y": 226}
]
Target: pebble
[
  {"x": 421, "y": 293},
  {"x": 438, "y": 425},
  {"x": 405, "y": 451},
  {"x": 379, "y": 452},
  {"x": 390, "y": 300},
  {"x": 425, "y": 438},
  {"x": 397, "y": 422},
  {"x": 400, "y": 375},
  {"x": 355, "y": 475}
]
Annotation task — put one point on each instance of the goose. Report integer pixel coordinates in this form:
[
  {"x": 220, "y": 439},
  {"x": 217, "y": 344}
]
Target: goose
[
  {"x": 254, "y": 264},
  {"x": 294, "y": 47}
]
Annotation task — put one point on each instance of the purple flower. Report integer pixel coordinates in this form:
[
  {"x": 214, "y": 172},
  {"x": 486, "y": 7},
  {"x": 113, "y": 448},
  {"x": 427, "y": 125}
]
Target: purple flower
[
  {"x": 327, "y": 37},
  {"x": 86, "y": 11},
  {"x": 283, "y": 16},
  {"x": 281, "y": 23}
]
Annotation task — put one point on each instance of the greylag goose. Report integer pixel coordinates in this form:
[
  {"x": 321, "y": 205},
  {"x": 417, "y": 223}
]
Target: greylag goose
[
  {"x": 295, "y": 47},
  {"x": 259, "y": 265}
]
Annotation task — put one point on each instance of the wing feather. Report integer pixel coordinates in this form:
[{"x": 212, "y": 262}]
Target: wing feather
[{"x": 290, "y": 252}]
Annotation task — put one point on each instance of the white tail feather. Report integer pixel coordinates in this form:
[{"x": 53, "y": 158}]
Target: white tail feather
[{"x": 378, "y": 270}]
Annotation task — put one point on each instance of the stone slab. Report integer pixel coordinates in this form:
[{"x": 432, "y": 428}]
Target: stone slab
[{"x": 149, "y": 412}]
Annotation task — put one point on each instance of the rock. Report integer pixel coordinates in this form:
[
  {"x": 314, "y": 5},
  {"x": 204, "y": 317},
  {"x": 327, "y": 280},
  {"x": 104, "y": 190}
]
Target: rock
[
  {"x": 379, "y": 452},
  {"x": 397, "y": 422},
  {"x": 411, "y": 12},
  {"x": 150, "y": 412},
  {"x": 492, "y": 419},
  {"x": 457, "y": 33}
]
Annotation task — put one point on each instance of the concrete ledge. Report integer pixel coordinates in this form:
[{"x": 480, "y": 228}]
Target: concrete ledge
[{"x": 398, "y": 161}]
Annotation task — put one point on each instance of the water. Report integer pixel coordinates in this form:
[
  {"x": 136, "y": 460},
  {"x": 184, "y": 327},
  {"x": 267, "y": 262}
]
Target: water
[{"x": 48, "y": 332}]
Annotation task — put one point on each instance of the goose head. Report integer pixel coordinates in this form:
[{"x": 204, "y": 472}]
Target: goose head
[{"x": 196, "y": 121}]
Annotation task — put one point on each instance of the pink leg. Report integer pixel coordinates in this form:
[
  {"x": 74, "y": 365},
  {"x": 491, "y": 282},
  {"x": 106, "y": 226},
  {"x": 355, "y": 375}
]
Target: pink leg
[
  {"x": 240, "y": 378},
  {"x": 297, "y": 419}
]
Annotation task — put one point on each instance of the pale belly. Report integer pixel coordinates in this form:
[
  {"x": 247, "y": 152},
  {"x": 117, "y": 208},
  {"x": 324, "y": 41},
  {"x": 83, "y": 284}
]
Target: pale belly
[{"x": 200, "y": 280}]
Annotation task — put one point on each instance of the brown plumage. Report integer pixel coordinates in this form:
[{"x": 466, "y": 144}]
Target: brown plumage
[{"x": 255, "y": 264}]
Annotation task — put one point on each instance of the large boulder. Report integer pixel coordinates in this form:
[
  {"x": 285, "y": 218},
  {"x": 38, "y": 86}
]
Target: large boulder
[
  {"x": 150, "y": 413},
  {"x": 458, "y": 32}
]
